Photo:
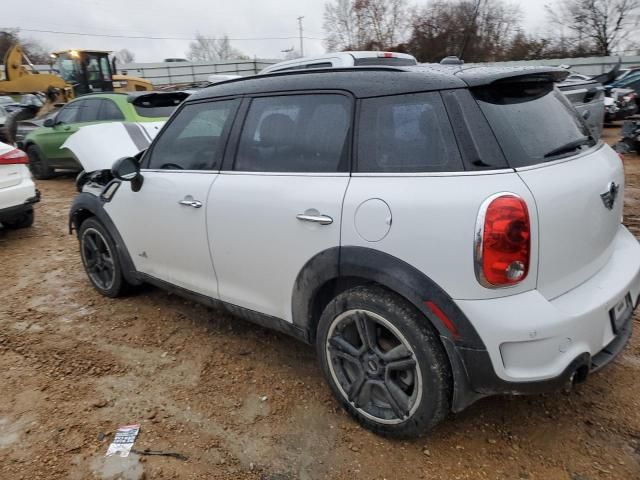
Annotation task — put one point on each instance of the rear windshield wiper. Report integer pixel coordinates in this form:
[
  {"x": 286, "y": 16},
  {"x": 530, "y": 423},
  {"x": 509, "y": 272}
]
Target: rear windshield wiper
[{"x": 569, "y": 147}]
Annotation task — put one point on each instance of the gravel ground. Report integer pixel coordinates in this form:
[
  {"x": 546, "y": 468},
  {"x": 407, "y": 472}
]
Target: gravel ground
[{"x": 242, "y": 402}]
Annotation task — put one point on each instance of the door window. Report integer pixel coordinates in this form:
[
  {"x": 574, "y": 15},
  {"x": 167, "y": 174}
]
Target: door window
[
  {"x": 110, "y": 111},
  {"x": 195, "y": 138},
  {"x": 69, "y": 113},
  {"x": 296, "y": 133},
  {"x": 407, "y": 133},
  {"x": 89, "y": 110}
]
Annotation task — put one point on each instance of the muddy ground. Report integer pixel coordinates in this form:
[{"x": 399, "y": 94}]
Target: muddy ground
[{"x": 242, "y": 402}]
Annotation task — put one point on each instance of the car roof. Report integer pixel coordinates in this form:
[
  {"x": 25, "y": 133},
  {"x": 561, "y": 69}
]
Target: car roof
[
  {"x": 112, "y": 95},
  {"x": 365, "y": 82},
  {"x": 349, "y": 55}
]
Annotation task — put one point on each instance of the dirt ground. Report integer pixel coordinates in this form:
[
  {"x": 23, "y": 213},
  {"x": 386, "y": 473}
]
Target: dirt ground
[{"x": 242, "y": 402}]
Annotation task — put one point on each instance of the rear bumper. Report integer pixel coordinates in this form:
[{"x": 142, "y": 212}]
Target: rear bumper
[
  {"x": 16, "y": 211},
  {"x": 21, "y": 193},
  {"x": 536, "y": 345}
]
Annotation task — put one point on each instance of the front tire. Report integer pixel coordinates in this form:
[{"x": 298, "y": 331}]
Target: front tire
[
  {"x": 100, "y": 259},
  {"x": 39, "y": 164},
  {"x": 384, "y": 362}
]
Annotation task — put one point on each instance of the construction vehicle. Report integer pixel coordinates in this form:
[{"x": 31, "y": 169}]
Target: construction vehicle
[
  {"x": 91, "y": 71},
  {"x": 20, "y": 79},
  {"x": 75, "y": 73}
]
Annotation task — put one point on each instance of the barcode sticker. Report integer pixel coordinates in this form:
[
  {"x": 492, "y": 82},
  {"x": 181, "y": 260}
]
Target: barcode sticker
[{"x": 123, "y": 441}]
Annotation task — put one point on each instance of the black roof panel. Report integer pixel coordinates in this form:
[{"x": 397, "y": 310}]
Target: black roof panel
[
  {"x": 365, "y": 82},
  {"x": 360, "y": 81}
]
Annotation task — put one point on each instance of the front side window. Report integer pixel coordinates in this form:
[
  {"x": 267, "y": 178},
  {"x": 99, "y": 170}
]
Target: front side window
[
  {"x": 406, "y": 133},
  {"x": 89, "y": 110},
  {"x": 195, "y": 138},
  {"x": 296, "y": 133},
  {"x": 69, "y": 113}
]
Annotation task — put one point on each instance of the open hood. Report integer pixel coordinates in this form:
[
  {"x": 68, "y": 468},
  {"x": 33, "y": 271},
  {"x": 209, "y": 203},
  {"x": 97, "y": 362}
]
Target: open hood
[{"x": 96, "y": 147}]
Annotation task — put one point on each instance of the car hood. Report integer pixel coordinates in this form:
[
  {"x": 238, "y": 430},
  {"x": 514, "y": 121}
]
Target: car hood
[{"x": 96, "y": 147}]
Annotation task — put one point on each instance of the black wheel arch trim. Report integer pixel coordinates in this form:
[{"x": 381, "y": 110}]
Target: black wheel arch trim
[
  {"x": 339, "y": 267},
  {"x": 85, "y": 205}
]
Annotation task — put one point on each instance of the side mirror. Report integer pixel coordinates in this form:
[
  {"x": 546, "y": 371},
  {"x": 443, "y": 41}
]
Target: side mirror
[
  {"x": 49, "y": 122},
  {"x": 127, "y": 169}
]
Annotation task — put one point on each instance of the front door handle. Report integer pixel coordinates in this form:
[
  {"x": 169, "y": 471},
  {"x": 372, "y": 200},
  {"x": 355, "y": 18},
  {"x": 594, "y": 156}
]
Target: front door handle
[
  {"x": 191, "y": 203},
  {"x": 321, "y": 219}
]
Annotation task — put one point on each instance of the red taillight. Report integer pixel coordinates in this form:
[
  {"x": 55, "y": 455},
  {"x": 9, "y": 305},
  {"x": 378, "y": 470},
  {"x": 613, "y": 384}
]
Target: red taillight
[
  {"x": 386, "y": 55},
  {"x": 14, "y": 156},
  {"x": 503, "y": 242}
]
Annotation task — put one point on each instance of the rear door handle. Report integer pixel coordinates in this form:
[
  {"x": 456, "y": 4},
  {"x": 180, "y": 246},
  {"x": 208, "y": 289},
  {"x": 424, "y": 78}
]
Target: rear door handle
[
  {"x": 191, "y": 203},
  {"x": 321, "y": 219}
]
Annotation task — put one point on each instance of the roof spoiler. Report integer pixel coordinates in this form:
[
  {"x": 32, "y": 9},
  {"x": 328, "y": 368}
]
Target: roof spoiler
[
  {"x": 157, "y": 99},
  {"x": 482, "y": 76}
]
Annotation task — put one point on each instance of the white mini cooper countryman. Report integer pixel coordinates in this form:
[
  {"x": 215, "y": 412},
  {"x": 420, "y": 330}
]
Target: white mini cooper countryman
[{"x": 439, "y": 233}]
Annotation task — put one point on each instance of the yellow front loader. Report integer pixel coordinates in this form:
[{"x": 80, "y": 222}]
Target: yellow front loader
[{"x": 77, "y": 72}]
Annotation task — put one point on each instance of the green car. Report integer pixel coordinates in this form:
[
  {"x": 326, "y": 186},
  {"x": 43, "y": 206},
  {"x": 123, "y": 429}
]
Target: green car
[{"x": 43, "y": 143}]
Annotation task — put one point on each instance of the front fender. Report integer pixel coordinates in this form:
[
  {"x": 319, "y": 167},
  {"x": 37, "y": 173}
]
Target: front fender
[{"x": 87, "y": 205}]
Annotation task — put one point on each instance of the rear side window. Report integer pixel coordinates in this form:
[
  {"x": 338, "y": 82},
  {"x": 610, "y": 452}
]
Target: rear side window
[
  {"x": 195, "y": 138},
  {"x": 533, "y": 121},
  {"x": 406, "y": 133},
  {"x": 296, "y": 133},
  {"x": 110, "y": 110}
]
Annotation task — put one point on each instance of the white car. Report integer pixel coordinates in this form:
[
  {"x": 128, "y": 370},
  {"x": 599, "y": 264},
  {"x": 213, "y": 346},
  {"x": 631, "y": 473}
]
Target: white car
[
  {"x": 17, "y": 191},
  {"x": 439, "y": 233},
  {"x": 342, "y": 60}
]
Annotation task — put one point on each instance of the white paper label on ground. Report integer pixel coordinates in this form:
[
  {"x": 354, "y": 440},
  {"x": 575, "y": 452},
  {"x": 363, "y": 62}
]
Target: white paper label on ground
[
  {"x": 123, "y": 441},
  {"x": 98, "y": 146}
]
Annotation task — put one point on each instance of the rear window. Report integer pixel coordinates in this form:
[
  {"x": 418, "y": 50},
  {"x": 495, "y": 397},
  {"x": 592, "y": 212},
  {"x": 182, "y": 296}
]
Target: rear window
[
  {"x": 385, "y": 61},
  {"x": 154, "y": 112},
  {"x": 157, "y": 105},
  {"x": 533, "y": 121},
  {"x": 406, "y": 133}
]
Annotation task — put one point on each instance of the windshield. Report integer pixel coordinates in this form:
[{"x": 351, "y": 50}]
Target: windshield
[
  {"x": 67, "y": 67},
  {"x": 533, "y": 122}
]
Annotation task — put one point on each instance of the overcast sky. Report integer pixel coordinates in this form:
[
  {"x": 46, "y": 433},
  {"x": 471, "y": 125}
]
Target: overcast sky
[{"x": 257, "y": 21}]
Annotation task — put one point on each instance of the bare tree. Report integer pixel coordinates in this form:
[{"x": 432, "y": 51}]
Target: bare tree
[
  {"x": 604, "y": 24},
  {"x": 477, "y": 30},
  {"x": 204, "y": 49},
  {"x": 364, "y": 24},
  {"x": 125, "y": 56},
  {"x": 35, "y": 51}
]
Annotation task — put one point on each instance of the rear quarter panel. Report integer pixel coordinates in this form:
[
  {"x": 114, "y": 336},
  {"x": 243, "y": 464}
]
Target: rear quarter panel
[{"x": 433, "y": 222}]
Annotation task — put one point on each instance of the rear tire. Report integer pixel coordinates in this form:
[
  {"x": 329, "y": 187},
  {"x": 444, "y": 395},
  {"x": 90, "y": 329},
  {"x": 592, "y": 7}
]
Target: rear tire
[
  {"x": 24, "y": 221},
  {"x": 100, "y": 259},
  {"x": 384, "y": 362},
  {"x": 39, "y": 164}
]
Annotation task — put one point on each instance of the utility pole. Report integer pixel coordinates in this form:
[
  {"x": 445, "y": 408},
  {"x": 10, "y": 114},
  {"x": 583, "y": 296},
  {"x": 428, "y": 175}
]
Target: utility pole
[{"x": 301, "y": 39}]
